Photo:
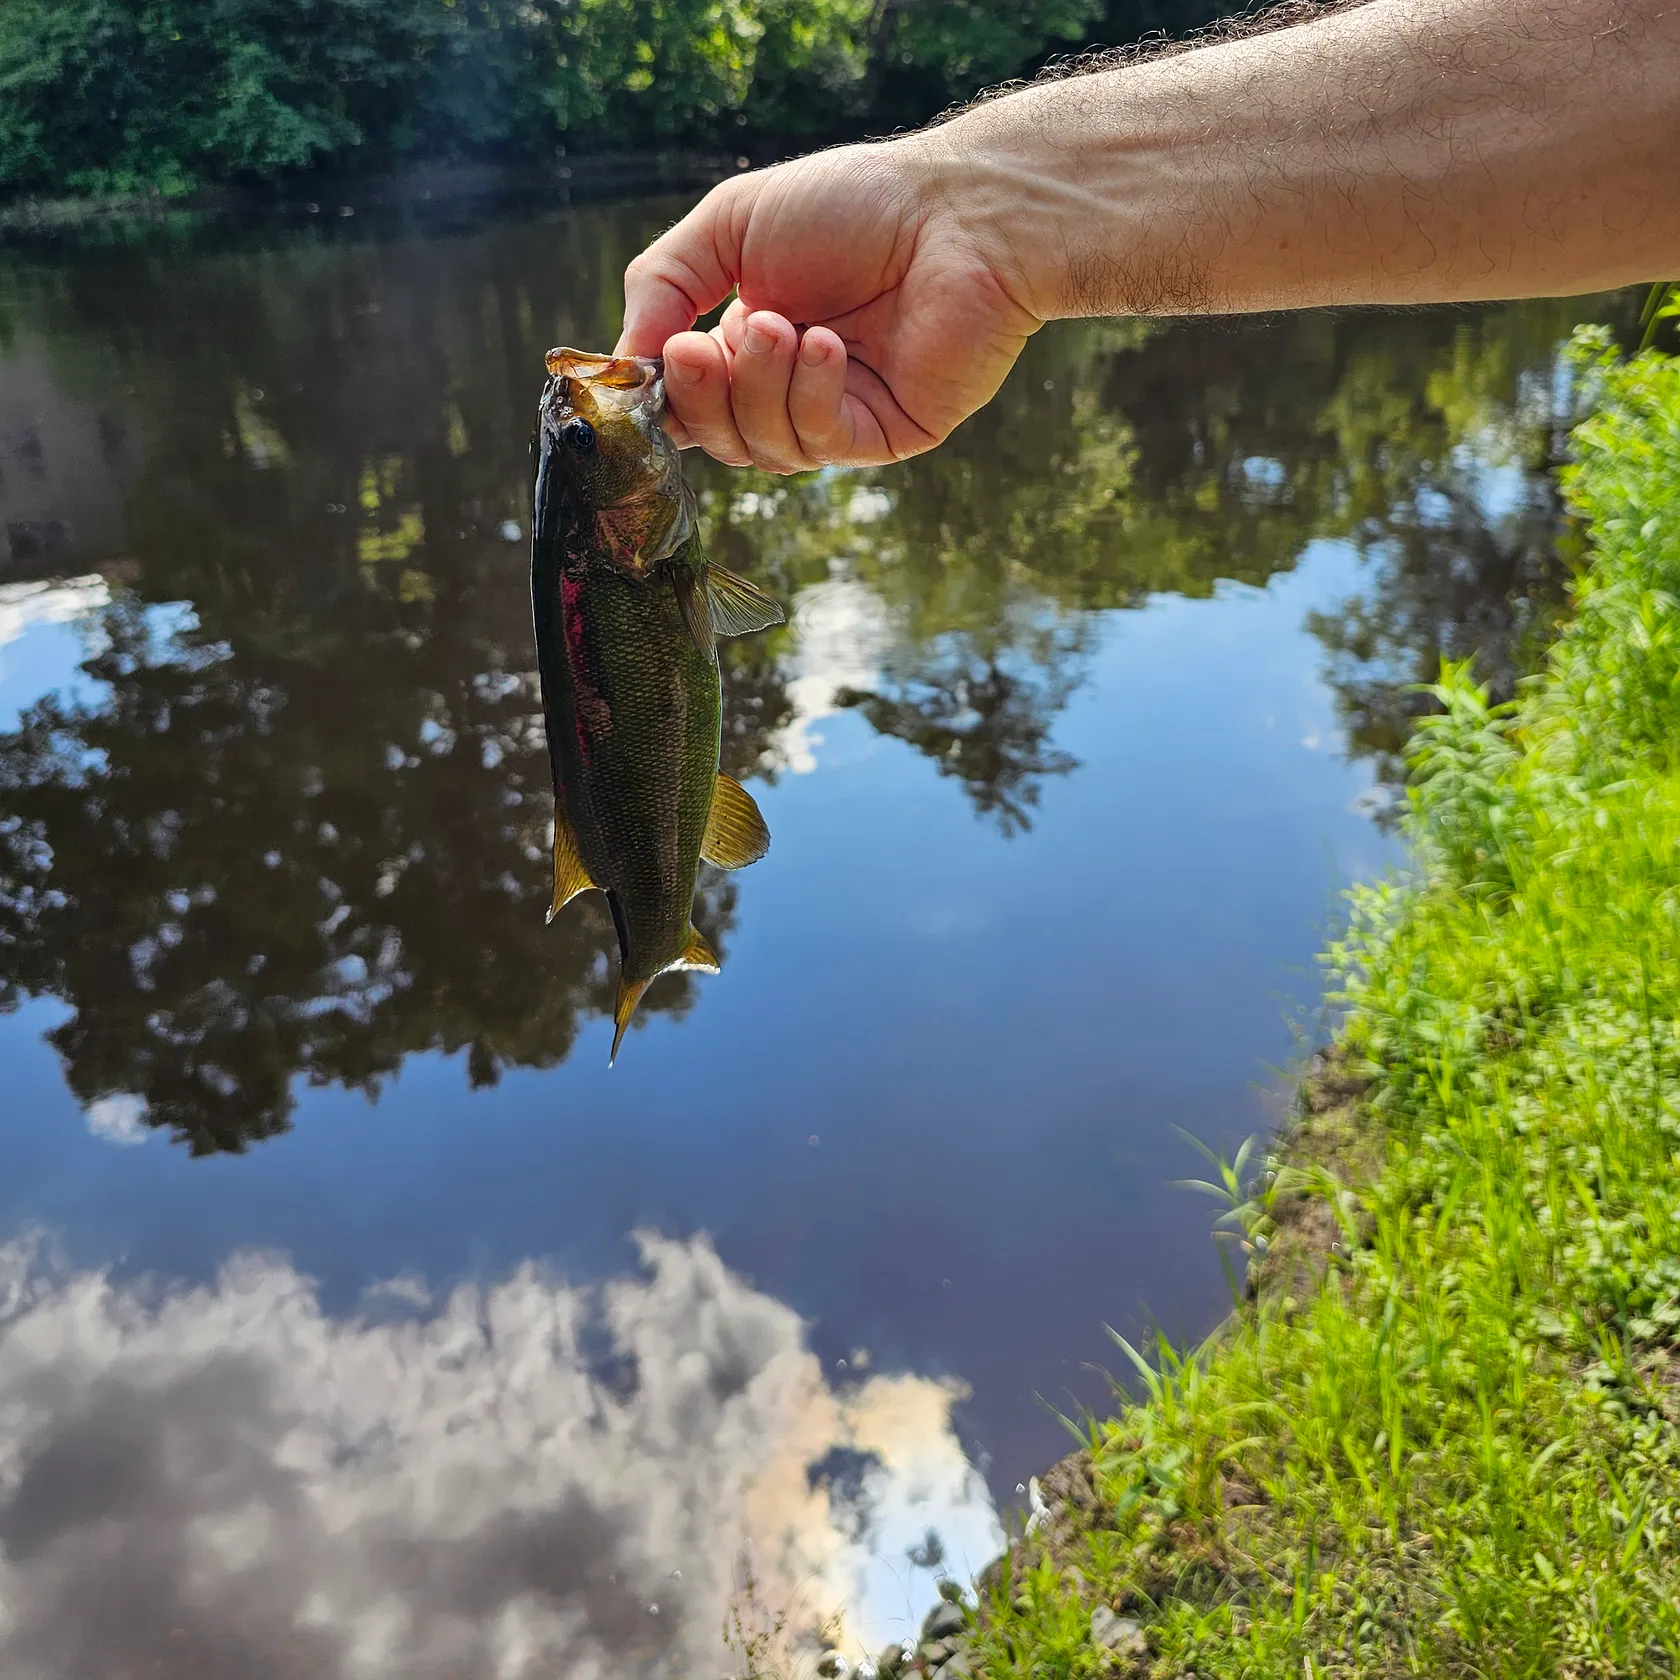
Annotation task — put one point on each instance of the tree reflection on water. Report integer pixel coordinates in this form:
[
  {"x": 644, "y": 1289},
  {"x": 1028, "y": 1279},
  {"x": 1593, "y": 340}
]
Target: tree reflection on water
[{"x": 293, "y": 822}]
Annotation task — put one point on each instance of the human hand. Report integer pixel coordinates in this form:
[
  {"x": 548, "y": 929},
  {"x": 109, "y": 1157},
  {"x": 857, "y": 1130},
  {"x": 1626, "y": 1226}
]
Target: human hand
[{"x": 868, "y": 322}]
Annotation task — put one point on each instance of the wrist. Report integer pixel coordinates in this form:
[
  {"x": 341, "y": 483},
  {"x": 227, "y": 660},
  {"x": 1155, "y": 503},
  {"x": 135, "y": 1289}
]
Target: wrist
[
  {"x": 1072, "y": 190},
  {"x": 999, "y": 185}
]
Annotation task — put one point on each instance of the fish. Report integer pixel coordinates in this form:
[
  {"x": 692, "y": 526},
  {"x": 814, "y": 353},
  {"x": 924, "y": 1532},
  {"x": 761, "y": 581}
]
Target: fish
[{"x": 627, "y": 611}]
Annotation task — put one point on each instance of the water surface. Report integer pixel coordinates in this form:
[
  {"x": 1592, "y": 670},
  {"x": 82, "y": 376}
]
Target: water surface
[{"x": 355, "y": 1318}]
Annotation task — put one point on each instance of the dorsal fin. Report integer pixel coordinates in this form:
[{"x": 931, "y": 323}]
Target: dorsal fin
[
  {"x": 736, "y": 834},
  {"x": 739, "y": 607},
  {"x": 570, "y": 876}
]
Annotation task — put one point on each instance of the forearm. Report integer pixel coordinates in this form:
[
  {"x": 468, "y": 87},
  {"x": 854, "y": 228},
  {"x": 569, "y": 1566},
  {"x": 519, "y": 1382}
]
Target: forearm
[{"x": 1404, "y": 151}]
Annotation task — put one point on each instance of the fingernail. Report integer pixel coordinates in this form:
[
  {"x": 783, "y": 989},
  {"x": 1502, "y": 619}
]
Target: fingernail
[
  {"x": 814, "y": 351},
  {"x": 756, "y": 340},
  {"x": 681, "y": 373}
]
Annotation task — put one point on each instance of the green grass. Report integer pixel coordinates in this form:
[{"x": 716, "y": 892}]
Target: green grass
[{"x": 1460, "y": 1453}]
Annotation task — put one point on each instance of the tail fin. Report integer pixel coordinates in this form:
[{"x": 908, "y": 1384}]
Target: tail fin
[
  {"x": 698, "y": 957},
  {"x": 629, "y": 995}
]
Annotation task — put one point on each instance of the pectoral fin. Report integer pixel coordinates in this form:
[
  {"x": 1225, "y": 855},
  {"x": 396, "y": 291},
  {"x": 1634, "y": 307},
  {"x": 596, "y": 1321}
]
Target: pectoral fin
[
  {"x": 739, "y": 607},
  {"x": 736, "y": 834},
  {"x": 691, "y": 603},
  {"x": 570, "y": 877}
]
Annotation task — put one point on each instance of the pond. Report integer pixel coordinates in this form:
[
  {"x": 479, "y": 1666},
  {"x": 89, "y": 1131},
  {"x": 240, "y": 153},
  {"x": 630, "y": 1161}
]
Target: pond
[{"x": 354, "y": 1317}]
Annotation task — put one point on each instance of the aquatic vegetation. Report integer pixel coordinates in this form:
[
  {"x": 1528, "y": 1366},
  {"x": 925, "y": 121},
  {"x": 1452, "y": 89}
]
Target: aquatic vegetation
[{"x": 1454, "y": 1448}]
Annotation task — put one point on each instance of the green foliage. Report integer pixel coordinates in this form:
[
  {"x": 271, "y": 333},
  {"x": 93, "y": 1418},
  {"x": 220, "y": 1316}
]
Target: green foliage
[
  {"x": 1248, "y": 1188},
  {"x": 120, "y": 96},
  {"x": 1459, "y": 1454},
  {"x": 97, "y": 95},
  {"x": 971, "y": 43},
  {"x": 922, "y": 56},
  {"x": 1662, "y": 303},
  {"x": 1460, "y": 760}
]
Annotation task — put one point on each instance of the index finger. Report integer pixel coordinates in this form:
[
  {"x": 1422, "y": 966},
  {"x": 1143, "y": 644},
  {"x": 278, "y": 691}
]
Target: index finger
[{"x": 686, "y": 271}]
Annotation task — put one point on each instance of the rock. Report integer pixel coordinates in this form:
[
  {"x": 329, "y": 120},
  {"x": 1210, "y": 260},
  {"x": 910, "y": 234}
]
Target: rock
[
  {"x": 943, "y": 1620},
  {"x": 934, "y": 1652},
  {"x": 832, "y": 1666},
  {"x": 890, "y": 1662},
  {"x": 1119, "y": 1634},
  {"x": 951, "y": 1591},
  {"x": 960, "y": 1667},
  {"x": 1038, "y": 1516}
]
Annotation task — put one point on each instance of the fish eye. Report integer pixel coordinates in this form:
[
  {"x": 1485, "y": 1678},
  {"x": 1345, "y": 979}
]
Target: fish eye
[{"x": 579, "y": 435}]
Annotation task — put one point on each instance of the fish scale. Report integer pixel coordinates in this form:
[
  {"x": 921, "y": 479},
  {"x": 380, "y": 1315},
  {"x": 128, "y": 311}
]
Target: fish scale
[{"x": 641, "y": 762}]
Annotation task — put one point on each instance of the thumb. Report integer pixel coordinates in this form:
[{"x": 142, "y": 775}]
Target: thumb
[{"x": 686, "y": 271}]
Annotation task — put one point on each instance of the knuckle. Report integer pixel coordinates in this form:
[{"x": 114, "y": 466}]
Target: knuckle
[
  {"x": 817, "y": 433},
  {"x": 722, "y": 443}
]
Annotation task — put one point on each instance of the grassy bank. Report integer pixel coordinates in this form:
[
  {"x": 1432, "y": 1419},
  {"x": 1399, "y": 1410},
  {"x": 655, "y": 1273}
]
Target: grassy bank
[{"x": 1453, "y": 1448}]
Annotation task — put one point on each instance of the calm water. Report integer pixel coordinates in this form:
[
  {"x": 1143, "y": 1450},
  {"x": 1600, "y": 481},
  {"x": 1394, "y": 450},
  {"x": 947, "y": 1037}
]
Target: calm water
[{"x": 354, "y": 1319}]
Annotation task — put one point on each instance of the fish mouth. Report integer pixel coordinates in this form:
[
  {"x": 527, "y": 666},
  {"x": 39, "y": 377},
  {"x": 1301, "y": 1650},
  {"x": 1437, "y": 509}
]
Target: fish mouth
[
  {"x": 597, "y": 386},
  {"x": 631, "y": 383}
]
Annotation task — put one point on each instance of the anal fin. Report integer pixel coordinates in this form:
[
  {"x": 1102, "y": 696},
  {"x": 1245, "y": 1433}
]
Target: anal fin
[
  {"x": 739, "y": 607},
  {"x": 698, "y": 957},
  {"x": 736, "y": 834},
  {"x": 570, "y": 876}
]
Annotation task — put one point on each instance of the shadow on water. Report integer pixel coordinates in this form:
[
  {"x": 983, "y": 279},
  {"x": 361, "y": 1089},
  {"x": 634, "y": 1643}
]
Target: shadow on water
[{"x": 291, "y": 822}]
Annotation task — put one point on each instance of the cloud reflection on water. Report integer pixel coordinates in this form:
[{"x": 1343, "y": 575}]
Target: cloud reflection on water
[
  {"x": 23, "y": 605},
  {"x": 230, "y": 1480}
]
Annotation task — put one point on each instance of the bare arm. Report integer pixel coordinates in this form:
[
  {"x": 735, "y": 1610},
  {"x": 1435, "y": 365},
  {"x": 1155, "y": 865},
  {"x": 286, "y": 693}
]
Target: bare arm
[
  {"x": 1405, "y": 151},
  {"x": 1402, "y": 151}
]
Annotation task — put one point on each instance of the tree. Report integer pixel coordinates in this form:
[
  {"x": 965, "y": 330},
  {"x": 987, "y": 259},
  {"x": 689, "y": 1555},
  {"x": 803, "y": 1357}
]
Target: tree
[{"x": 102, "y": 96}]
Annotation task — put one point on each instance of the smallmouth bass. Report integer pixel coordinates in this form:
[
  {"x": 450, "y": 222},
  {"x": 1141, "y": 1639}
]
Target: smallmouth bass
[{"x": 627, "y": 610}]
